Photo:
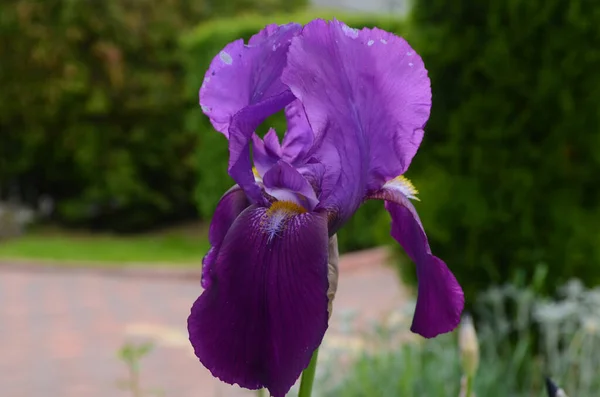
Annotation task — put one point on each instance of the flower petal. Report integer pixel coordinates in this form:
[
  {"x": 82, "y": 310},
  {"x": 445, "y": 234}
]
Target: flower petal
[
  {"x": 265, "y": 152},
  {"x": 242, "y": 128},
  {"x": 299, "y": 137},
  {"x": 229, "y": 207},
  {"x": 265, "y": 313},
  {"x": 242, "y": 75},
  {"x": 367, "y": 94},
  {"x": 440, "y": 299},
  {"x": 242, "y": 87},
  {"x": 284, "y": 179}
]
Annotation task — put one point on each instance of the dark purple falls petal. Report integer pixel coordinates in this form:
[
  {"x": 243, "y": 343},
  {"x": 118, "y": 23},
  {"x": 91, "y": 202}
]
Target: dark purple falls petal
[
  {"x": 233, "y": 202},
  {"x": 265, "y": 312},
  {"x": 440, "y": 299}
]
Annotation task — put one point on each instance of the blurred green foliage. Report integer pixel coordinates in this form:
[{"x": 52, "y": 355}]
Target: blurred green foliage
[
  {"x": 510, "y": 162},
  {"x": 370, "y": 226},
  {"x": 91, "y": 106},
  {"x": 566, "y": 349}
]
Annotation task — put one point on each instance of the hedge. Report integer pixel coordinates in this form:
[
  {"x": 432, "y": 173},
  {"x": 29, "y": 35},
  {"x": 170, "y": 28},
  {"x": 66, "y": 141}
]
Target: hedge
[{"x": 511, "y": 173}]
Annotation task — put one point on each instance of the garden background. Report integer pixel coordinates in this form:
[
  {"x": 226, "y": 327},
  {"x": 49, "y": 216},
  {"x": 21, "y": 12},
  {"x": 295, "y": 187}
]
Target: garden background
[{"x": 106, "y": 160}]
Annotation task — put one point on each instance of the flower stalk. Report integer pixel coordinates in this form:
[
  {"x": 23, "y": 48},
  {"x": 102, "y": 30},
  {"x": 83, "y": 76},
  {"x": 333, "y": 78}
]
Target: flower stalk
[{"x": 308, "y": 376}]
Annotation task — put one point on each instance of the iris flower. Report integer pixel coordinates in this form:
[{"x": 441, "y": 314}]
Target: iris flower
[{"x": 356, "y": 103}]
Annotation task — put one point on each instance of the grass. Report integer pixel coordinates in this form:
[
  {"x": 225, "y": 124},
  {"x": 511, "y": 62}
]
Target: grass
[{"x": 180, "y": 246}]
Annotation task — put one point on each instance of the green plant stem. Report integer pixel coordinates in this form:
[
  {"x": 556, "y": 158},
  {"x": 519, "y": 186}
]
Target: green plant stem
[
  {"x": 261, "y": 393},
  {"x": 308, "y": 376},
  {"x": 469, "y": 386}
]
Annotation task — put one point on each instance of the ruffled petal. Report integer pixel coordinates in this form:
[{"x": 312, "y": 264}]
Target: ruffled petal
[
  {"x": 367, "y": 96},
  {"x": 440, "y": 299},
  {"x": 242, "y": 87},
  {"x": 242, "y": 75},
  {"x": 285, "y": 183},
  {"x": 265, "y": 313},
  {"x": 229, "y": 207}
]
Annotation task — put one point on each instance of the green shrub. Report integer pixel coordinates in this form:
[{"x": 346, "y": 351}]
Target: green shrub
[
  {"x": 370, "y": 226},
  {"x": 510, "y": 176},
  {"x": 91, "y": 106}
]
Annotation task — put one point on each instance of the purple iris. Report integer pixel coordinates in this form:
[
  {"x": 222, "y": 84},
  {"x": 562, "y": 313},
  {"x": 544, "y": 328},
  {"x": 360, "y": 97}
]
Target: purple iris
[{"x": 356, "y": 102}]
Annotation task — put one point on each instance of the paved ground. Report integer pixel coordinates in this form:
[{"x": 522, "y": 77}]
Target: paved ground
[{"x": 60, "y": 330}]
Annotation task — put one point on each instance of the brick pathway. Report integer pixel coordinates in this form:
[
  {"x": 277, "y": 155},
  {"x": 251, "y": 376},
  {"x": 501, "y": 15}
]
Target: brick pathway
[{"x": 60, "y": 330}]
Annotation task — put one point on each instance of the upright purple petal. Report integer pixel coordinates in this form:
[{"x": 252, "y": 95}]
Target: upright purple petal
[
  {"x": 440, "y": 299},
  {"x": 367, "y": 96},
  {"x": 229, "y": 207},
  {"x": 242, "y": 75},
  {"x": 242, "y": 128},
  {"x": 266, "y": 152},
  {"x": 265, "y": 313},
  {"x": 297, "y": 142},
  {"x": 242, "y": 87},
  {"x": 299, "y": 137}
]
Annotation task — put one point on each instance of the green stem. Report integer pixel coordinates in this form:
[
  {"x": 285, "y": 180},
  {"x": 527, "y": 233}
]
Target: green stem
[
  {"x": 469, "y": 386},
  {"x": 308, "y": 376},
  {"x": 261, "y": 393}
]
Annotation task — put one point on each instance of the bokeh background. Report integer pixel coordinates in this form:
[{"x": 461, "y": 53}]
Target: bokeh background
[{"x": 108, "y": 164}]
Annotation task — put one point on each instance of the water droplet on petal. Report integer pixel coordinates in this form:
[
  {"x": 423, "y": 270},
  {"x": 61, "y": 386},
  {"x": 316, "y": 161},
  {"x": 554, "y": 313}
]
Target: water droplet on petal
[
  {"x": 370, "y": 43},
  {"x": 225, "y": 57}
]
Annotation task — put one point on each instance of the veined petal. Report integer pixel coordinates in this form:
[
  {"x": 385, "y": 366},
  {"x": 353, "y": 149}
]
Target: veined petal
[
  {"x": 440, "y": 299},
  {"x": 229, "y": 207},
  {"x": 367, "y": 94},
  {"x": 284, "y": 179},
  {"x": 242, "y": 75},
  {"x": 265, "y": 313}
]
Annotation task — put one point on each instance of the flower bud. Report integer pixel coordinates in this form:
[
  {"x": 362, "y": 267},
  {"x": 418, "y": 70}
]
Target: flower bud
[{"x": 469, "y": 346}]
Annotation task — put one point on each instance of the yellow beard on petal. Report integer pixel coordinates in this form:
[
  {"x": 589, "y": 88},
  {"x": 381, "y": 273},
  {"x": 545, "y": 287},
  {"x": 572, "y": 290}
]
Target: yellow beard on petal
[
  {"x": 404, "y": 186},
  {"x": 277, "y": 215}
]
